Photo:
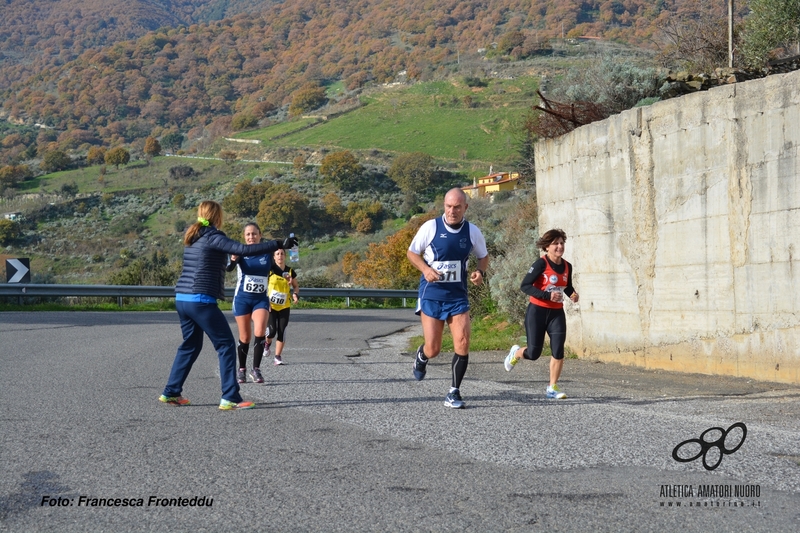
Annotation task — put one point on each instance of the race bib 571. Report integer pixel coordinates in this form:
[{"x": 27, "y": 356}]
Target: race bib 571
[{"x": 449, "y": 271}]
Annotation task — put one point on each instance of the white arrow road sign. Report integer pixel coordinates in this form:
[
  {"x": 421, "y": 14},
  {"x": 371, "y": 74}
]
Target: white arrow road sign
[{"x": 20, "y": 268}]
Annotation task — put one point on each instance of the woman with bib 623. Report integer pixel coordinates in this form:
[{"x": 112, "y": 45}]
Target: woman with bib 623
[{"x": 250, "y": 304}]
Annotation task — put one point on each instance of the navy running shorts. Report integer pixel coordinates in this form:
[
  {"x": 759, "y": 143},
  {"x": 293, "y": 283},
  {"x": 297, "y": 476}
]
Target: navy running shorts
[
  {"x": 442, "y": 310},
  {"x": 246, "y": 306}
]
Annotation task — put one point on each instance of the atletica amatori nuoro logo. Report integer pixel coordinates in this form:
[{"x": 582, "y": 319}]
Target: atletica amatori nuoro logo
[{"x": 737, "y": 433}]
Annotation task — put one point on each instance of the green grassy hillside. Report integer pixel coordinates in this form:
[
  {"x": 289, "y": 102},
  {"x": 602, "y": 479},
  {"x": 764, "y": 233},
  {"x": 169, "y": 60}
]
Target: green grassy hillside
[{"x": 461, "y": 126}]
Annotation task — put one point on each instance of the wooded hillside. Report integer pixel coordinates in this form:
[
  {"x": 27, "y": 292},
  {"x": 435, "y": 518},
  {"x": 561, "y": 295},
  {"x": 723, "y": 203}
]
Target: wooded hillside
[
  {"x": 35, "y": 34},
  {"x": 196, "y": 75}
]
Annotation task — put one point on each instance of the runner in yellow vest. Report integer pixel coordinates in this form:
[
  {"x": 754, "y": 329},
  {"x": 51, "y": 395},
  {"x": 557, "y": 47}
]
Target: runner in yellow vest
[{"x": 282, "y": 290}]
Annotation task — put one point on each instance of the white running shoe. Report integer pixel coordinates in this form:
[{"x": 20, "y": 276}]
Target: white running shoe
[
  {"x": 511, "y": 360},
  {"x": 454, "y": 400}
]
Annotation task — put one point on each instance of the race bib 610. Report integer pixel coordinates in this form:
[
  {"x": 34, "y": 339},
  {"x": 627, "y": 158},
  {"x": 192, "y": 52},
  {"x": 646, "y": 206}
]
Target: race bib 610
[{"x": 277, "y": 297}]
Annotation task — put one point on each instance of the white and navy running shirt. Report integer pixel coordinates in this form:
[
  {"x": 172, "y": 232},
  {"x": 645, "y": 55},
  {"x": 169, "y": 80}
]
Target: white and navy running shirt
[
  {"x": 252, "y": 275},
  {"x": 447, "y": 251}
]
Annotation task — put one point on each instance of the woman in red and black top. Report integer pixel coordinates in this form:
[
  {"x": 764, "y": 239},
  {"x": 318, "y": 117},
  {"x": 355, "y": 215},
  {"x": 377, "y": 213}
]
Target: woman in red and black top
[{"x": 546, "y": 283}]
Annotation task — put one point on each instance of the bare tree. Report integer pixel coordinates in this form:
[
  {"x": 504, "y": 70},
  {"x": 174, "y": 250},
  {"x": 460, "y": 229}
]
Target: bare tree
[
  {"x": 696, "y": 40},
  {"x": 229, "y": 156}
]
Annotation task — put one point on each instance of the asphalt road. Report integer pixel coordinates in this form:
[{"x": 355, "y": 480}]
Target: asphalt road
[{"x": 344, "y": 439}]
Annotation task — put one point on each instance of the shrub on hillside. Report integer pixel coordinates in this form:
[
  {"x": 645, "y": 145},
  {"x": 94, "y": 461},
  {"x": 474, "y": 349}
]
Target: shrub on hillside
[
  {"x": 694, "y": 40},
  {"x": 246, "y": 198},
  {"x": 151, "y": 148},
  {"x": 316, "y": 281},
  {"x": 117, "y": 156},
  {"x": 262, "y": 109},
  {"x": 480, "y": 297},
  {"x": 307, "y": 98},
  {"x": 613, "y": 85},
  {"x": 356, "y": 80},
  {"x": 179, "y": 200},
  {"x": 364, "y": 216},
  {"x": 173, "y": 140},
  {"x": 509, "y": 41},
  {"x": 69, "y": 189},
  {"x": 9, "y": 231},
  {"x": 283, "y": 211},
  {"x": 55, "y": 160},
  {"x": 472, "y": 81},
  {"x": 342, "y": 170},
  {"x": 502, "y": 196},
  {"x": 412, "y": 171},
  {"x": 12, "y": 175},
  {"x": 154, "y": 270},
  {"x": 242, "y": 121},
  {"x": 229, "y": 156},
  {"x": 384, "y": 265},
  {"x": 181, "y": 172},
  {"x": 125, "y": 224},
  {"x": 180, "y": 226},
  {"x": 516, "y": 251},
  {"x": 96, "y": 155},
  {"x": 772, "y": 25}
]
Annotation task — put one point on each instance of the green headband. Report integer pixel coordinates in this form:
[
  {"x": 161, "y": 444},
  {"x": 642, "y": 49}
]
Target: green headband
[{"x": 202, "y": 221}]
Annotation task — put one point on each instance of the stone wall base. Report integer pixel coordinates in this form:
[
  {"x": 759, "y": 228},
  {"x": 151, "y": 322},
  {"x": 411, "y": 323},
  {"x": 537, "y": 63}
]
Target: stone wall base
[{"x": 762, "y": 355}]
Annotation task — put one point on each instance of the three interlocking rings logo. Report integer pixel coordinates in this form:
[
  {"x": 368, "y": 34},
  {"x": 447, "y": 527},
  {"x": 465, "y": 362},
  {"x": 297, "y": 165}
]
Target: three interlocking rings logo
[{"x": 706, "y": 446}]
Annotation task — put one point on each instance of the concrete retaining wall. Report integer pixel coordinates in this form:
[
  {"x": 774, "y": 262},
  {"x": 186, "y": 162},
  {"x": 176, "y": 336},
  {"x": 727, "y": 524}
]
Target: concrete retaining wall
[{"x": 684, "y": 229}]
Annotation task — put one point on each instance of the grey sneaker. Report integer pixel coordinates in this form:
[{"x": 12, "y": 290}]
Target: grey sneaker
[
  {"x": 241, "y": 375},
  {"x": 454, "y": 400},
  {"x": 257, "y": 377}
]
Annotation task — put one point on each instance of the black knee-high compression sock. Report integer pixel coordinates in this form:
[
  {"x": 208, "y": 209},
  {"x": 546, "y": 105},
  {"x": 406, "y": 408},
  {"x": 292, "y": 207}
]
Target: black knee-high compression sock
[
  {"x": 242, "y": 350},
  {"x": 258, "y": 351},
  {"x": 459, "y": 367}
]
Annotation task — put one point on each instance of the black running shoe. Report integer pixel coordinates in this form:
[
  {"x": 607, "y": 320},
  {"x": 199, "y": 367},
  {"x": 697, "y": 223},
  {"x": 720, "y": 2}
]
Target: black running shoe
[{"x": 420, "y": 366}]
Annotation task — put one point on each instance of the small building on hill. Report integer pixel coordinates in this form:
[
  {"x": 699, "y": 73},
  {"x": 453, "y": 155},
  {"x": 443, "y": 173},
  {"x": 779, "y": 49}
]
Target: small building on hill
[{"x": 488, "y": 185}]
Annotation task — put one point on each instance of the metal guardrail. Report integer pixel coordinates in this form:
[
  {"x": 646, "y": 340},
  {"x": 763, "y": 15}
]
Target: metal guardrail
[{"x": 22, "y": 291}]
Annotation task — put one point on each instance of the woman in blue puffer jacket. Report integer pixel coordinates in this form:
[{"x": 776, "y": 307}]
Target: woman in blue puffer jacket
[{"x": 200, "y": 285}]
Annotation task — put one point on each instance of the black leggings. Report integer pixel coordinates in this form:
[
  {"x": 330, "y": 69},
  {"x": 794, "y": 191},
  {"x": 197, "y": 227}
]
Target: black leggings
[
  {"x": 278, "y": 320},
  {"x": 539, "y": 320}
]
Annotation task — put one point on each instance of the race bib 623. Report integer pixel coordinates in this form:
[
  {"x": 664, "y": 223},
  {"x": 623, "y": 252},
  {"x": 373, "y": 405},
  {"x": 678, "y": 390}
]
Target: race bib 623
[{"x": 255, "y": 284}]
